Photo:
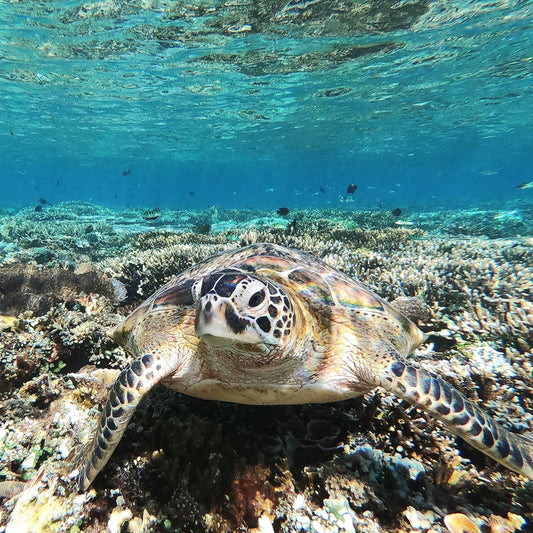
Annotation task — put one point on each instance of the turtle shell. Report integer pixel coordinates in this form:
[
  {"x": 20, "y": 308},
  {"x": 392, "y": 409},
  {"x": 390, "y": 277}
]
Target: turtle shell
[{"x": 324, "y": 293}]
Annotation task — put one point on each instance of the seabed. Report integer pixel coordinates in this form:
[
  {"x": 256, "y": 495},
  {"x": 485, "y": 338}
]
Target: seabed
[{"x": 374, "y": 464}]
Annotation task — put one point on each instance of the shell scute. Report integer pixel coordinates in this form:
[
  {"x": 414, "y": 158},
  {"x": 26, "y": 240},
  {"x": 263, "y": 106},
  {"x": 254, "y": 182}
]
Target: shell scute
[{"x": 175, "y": 294}]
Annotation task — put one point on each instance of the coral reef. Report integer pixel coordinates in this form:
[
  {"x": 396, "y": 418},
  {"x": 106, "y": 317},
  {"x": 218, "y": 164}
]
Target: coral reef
[
  {"x": 372, "y": 464},
  {"x": 59, "y": 233},
  {"x": 482, "y": 286},
  {"x": 28, "y": 288},
  {"x": 142, "y": 272},
  {"x": 495, "y": 224}
]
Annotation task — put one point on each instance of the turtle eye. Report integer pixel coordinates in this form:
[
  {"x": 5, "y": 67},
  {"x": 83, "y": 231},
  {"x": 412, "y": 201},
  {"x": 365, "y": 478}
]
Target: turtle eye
[{"x": 256, "y": 298}]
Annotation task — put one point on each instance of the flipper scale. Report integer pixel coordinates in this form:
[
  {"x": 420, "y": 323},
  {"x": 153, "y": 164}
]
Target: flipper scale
[
  {"x": 460, "y": 416},
  {"x": 129, "y": 388}
]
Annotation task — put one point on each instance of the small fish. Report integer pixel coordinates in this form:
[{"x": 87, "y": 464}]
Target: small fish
[
  {"x": 12, "y": 132},
  {"x": 38, "y": 208},
  {"x": 43, "y": 201},
  {"x": 396, "y": 212},
  {"x": 283, "y": 211},
  {"x": 191, "y": 193},
  {"x": 525, "y": 185},
  {"x": 404, "y": 223},
  {"x": 322, "y": 190},
  {"x": 152, "y": 214},
  {"x": 126, "y": 172},
  {"x": 502, "y": 216},
  {"x": 351, "y": 188},
  {"x": 89, "y": 228},
  {"x": 202, "y": 229}
]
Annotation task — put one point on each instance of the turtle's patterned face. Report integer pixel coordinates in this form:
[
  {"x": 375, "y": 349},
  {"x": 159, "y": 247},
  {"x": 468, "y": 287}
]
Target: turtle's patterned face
[{"x": 236, "y": 307}]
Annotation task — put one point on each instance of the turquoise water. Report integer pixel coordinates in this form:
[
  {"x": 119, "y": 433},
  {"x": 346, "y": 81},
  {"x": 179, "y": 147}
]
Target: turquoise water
[{"x": 260, "y": 104}]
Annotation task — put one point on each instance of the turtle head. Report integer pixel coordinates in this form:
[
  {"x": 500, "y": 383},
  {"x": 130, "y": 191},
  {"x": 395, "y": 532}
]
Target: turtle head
[{"x": 236, "y": 307}]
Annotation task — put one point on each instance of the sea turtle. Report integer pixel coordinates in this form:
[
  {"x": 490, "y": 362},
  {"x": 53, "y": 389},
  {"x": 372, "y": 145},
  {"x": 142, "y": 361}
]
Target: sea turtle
[{"x": 269, "y": 325}]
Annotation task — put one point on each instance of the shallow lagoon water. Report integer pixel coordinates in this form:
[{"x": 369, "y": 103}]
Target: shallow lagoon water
[
  {"x": 218, "y": 114},
  {"x": 259, "y": 104}
]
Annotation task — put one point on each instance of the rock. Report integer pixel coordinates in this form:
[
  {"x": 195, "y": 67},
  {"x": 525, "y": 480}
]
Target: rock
[
  {"x": 119, "y": 516},
  {"x": 460, "y": 523}
]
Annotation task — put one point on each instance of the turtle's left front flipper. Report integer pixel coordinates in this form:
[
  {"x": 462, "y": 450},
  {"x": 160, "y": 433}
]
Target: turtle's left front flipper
[
  {"x": 129, "y": 388},
  {"x": 459, "y": 415}
]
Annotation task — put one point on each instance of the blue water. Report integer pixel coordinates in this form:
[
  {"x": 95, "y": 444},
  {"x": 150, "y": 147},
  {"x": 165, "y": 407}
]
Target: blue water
[{"x": 261, "y": 105}]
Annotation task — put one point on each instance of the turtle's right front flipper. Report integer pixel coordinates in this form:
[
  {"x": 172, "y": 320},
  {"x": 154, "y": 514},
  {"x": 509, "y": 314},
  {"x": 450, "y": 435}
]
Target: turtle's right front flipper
[
  {"x": 460, "y": 416},
  {"x": 129, "y": 388}
]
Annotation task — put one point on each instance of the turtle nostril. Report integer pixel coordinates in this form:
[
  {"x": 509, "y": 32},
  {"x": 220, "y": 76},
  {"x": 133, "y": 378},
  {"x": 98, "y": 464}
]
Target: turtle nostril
[{"x": 207, "y": 307}]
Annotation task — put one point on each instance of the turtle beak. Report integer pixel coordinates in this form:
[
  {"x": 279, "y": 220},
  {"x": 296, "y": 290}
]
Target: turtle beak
[
  {"x": 218, "y": 323},
  {"x": 208, "y": 324}
]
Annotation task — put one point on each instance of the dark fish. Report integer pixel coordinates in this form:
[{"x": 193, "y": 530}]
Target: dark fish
[
  {"x": 126, "y": 172},
  {"x": 38, "y": 208},
  {"x": 152, "y": 214},
  {"x": 57, "y": 183},
  {"x": 351, "y": 188},
  {"x": 283, "y": 211},
  {"x": 396, "y": 212},
  {"x": 43, "y": 201},
  {"x": 322, "y": 190},
  {"x": 202, "y": 229},
  {"x": 191, "y": 193},
  {"x": 12, "y": 132},
  {"x": 89, "y": 228},
  {"x": 525, "y": 185}
]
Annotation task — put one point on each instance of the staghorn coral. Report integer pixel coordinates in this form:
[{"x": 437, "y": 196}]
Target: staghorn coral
[
  {"x": 476, "y": 222},
  {"x": 159, "y": 255},
  {"x": 474, "y": 284},
  {"x": 317, "y": 237},
  {"x": 61, "y": 232},
  {"x": 143, "y": 272},
  {"x": 155, "y": 240}
]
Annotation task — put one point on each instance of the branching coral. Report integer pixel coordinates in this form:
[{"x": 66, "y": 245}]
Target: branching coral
[
  {"x": 371, "y": 464},
  {"x": 67, "y": 230},
  {"x": 472, "y": 283},
  {"x": 143, "y": 272}
]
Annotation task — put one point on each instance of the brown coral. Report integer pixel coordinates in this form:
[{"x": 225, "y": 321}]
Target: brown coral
[{"x": 28, "y": 288}]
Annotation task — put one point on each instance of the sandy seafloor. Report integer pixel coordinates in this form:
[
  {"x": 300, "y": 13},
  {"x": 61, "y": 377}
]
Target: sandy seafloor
[{"x": 373, "y": 464}]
